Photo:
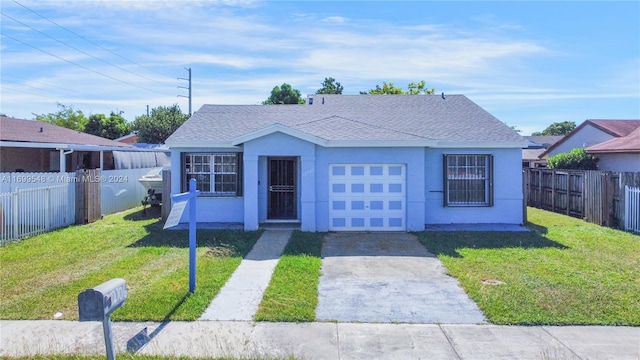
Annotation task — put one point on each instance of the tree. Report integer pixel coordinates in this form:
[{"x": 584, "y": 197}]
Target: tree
[
  {"x": 419, "y": 88},
  {"x": 284, "y": 94},
  {"x": 157, "y": 127},
  {"x": 330, "y": 86},
  {"x": 557, "y": 129},
  {"x": 576, "y": 159},
  {"x": 390, "y": 89},
  {"x": 111, "y": 127},
  {"x": 66, "y": 117}
]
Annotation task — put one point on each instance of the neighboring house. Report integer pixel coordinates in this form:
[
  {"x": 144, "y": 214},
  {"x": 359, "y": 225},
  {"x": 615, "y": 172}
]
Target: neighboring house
[
  {"x": 619, "y": 154},
  {"x": 351, "y": 162},
  {"x": 591, "y": 132},
  {"x": 34, "y": 146},
  {"x": 128, "y": 139},
  {"x": 535, "y": 147}
]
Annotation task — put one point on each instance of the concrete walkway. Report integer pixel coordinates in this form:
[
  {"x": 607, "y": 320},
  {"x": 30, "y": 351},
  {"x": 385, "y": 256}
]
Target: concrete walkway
[
  {"x": 240, "y": 297},
  {"x": 240, "y": 339}
]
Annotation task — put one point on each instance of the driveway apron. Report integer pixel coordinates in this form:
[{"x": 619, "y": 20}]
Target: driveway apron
[{"x": 388, "y": 277}]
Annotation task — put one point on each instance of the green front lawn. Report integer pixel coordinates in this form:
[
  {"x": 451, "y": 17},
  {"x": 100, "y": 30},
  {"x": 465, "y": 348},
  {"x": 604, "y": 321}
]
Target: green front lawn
[
  {"x": 292, "y": 294},
  {"x": 43, "y": 275},
  {"x": 565, "y": 271}
]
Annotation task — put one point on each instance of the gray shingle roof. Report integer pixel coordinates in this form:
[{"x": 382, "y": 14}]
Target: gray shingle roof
[{"x": 380, "y": 118}]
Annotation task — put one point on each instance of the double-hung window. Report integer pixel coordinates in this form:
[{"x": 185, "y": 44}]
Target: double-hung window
[
  {"x": 468, "y": 180},
  {"x": 217, "y": 174}
]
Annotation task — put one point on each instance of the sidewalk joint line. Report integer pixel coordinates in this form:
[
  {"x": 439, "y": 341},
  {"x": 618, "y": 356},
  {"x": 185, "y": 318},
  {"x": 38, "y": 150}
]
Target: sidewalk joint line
[
  {"x": 449, "y": 341},
  {"x": 338, "y": 339},
  {"x": 561, "y": 343}
]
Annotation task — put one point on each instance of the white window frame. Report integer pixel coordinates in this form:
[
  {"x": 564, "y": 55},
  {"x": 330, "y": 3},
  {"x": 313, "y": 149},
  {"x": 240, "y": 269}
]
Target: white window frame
[
  {"x": 215, "y": 174},
  {"x": 462, "y": 173}
]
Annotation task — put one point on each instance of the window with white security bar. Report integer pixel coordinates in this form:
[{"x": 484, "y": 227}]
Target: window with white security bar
[
  {"x": 468, "y": 180},
  {"x": 215, "y": 174}
]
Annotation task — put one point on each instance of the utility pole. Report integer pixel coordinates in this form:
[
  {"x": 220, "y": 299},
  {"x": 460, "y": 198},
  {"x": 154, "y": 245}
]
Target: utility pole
[
  {"x": 189, "y": 88},
  {"x": 147, "y": 110}
]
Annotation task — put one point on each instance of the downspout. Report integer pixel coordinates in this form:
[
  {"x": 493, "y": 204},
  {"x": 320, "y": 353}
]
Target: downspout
[
  {"x": 63, "y": 159},
  {"x": 101, "y": 160}
]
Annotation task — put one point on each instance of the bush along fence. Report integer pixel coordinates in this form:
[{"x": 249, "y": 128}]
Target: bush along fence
[
  {"x": 34, "y": 203},
  {"x": 596, "y": 196}
]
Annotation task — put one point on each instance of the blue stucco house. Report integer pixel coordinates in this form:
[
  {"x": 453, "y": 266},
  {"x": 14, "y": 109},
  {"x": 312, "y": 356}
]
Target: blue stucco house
[{"x": 351, "y": 163}]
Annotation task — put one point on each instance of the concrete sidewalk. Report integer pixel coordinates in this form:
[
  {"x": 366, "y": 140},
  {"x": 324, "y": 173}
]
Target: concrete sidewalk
[
  {"x": 240, "y": 296},
  {"x": 323, "y": 340}
]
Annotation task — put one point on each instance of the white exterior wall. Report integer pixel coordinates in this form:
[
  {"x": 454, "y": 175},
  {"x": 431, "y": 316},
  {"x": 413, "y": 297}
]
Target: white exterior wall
[
  {"x": 583, "y": 138},
  {"x": 507, "y": 189},
  {"x": 623, "y": 162}
]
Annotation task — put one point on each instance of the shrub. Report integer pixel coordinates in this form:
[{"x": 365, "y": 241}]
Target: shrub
[{"x": 576, "y": 159}]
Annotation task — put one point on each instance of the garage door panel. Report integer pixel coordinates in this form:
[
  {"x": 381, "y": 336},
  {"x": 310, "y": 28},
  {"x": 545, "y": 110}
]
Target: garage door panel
[{"x": 367, "y": 197}]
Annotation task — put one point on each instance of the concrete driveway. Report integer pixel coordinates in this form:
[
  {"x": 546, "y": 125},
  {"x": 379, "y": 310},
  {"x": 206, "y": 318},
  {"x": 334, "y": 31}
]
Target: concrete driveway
[{"x": 388, "y": 277}]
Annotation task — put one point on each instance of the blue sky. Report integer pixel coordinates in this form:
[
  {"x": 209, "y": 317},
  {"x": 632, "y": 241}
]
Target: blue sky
[{"x": 528, "y": 63}]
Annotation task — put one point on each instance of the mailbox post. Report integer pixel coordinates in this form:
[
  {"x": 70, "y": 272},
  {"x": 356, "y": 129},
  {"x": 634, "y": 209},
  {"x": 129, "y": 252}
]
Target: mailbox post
[{"x": 98, "y": 303}]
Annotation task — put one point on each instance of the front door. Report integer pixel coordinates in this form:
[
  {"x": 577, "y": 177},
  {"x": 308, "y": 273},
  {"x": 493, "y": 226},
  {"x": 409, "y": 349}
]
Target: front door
[{"x": 282, "y": 189}]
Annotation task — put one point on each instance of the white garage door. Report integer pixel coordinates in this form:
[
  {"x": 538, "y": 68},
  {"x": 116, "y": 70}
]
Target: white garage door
[{"x": 367, "y": 197}]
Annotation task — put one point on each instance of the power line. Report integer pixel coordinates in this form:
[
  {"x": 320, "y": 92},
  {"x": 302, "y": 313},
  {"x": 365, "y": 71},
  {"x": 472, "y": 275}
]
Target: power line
[
  {"x": 38, "y": 82},
  {"x": 90, "y": 41},
  {"x": 26, "y": 92},
  {"x": 34, "y": 87},
  {"x": 78, "y": 50},
  {"x": 81, "y": 66}
]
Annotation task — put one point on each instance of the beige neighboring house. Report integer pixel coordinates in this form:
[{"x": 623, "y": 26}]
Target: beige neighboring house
[
  {"x": 615, "y": 142},
  {"x": 619, "y": 154}
]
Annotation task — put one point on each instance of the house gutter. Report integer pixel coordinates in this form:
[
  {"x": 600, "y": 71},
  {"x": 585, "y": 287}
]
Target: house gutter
[{"x": 63, "y": 159}]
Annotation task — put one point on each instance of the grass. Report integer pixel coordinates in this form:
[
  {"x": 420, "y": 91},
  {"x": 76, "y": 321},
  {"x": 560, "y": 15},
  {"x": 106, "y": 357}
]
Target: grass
[
  {"x": 43, "y": 275},
  {"x": 292, "y": 294},
  {"x": 565, "y": 271},
  {"x": 120, "y": 356}
]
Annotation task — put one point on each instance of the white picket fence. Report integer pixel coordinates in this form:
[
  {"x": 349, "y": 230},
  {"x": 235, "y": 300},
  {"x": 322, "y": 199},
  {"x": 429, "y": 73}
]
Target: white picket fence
[
  {"x": 34, "y": 203},
  {"x": 632, "y": 209},
  {"x": 31, "y": 211}
]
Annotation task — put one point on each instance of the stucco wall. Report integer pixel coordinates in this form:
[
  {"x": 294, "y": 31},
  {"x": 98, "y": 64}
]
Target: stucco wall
[
  {"x": 210, "y": 209},
  {"x": 424, "y": 183},
  {"x": 256, "y": 153},
  {"x": 507, "y": 189},
  {"x": 619, "y": 162},
  {"x": 585, "y": 137}
]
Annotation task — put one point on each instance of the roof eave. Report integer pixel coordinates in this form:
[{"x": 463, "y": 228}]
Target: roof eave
[
  {"x": 614, "y": 151},
  {"x": 482, "y": 144},
  {"x": 271, "y": 129},
  {"x": 59, "y": 146},
  {"x": 380, "y": 143}
]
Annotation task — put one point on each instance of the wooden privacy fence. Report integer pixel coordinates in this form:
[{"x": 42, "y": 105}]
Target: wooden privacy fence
[
  {"x": 87, "y": 196},
  {"x": 595, "y": 196}
]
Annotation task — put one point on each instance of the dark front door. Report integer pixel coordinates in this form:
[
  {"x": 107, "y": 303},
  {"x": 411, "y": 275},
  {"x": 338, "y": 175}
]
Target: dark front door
[{"x": 282, "y": 188}]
